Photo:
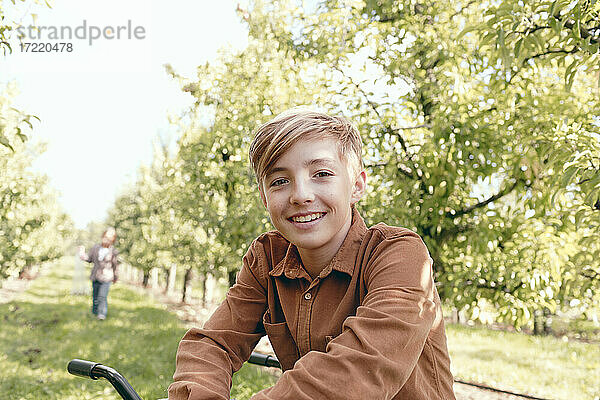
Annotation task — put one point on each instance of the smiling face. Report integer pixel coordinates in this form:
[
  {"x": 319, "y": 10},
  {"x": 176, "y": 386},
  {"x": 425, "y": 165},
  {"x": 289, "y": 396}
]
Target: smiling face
[{"x": 308, "y": 193}]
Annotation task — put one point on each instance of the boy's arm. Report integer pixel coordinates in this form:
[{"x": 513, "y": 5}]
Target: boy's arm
[
  {"x": 207, "y": 358},
  {"x": 379, "y": 347}
]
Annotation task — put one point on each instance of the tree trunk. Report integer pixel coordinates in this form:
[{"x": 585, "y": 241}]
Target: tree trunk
[
  {"x": 154, "y": 278},
  {"x": 203, "y": 281},
  {"x": 541, "y": 322},
  {"x": 146, "y": 278},
  {"x": 168, "y": 274},
  {"x": 171, "y": 275},
  {"x": 186, "y": 279}
]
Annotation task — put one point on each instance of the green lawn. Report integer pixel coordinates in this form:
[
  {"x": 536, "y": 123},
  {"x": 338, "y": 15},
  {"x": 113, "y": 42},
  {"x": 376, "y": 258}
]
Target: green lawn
[
  {"x": 46, "y": 326},
  {"x": 543, "y": 366}
]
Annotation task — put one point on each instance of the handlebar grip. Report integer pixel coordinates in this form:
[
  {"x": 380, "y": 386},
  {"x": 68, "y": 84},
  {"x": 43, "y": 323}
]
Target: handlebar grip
[
  {"x": 264, "y": 359},
  {"x": 88, "y": 369},
  {"x": 82, "y": 368}
]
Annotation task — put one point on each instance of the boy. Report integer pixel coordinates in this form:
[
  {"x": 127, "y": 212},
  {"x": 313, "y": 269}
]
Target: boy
[{"x": 351, "y": 312}]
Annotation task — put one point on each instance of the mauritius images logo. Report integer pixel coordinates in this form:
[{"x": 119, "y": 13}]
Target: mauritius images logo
[{"x": 84, "y": 31}]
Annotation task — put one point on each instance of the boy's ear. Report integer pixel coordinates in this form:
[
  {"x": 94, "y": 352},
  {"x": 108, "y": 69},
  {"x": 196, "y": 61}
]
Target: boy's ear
[{"x": 359, "y": 187}]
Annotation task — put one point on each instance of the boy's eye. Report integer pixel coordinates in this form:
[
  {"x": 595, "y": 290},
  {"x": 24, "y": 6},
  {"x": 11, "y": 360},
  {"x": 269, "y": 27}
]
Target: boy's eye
[
  {"x": 322, "y": 174},
  {"x": 278, "y": 182}
]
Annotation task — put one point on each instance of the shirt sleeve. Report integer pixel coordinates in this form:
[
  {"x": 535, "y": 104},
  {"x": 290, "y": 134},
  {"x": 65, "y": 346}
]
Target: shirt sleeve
[
  {"x": 207, "y": 358},
  {"x": 116, "y": 261},
  {"x": 379, "y": 347}
]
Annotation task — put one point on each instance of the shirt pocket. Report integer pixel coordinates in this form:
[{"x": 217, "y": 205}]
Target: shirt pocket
[{"x": 282, "y": 341}]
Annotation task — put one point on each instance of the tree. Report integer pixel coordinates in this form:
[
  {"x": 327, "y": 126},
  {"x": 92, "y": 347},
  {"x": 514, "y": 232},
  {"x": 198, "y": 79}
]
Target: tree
[
  {"x": 560, "y": 36},
  {"x": 33, "y": 227},
  {"x": 492, "y": 159},
  {"x": 567, "y": 32},
  {"x": 456, "y": 142},
  {"x": 7, "y": 30},
  {"x": 218, "y": 189}
]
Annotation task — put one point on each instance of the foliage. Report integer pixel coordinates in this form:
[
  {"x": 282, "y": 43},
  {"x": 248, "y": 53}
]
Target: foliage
[
  {"x": 90, "y": 235},
  {"x": 217, "y": 187},
  {"x": 567, "y": 32},
  {"x": 491, "y": 156},
  {"x": 33, "y": 228},
  {"x": 560, "y": 37},
  {"x": 461, "y": 146},
  {"x": 11, "y": 130},
  {"x": 151, "y": 232}
]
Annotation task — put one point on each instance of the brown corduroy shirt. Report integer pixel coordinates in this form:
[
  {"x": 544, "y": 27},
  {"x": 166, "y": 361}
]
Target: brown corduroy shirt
[{"x": 369, "y": 326}]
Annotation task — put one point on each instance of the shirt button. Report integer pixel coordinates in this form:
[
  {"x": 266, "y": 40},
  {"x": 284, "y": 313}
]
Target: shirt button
[{"x": 307, "y": 296}]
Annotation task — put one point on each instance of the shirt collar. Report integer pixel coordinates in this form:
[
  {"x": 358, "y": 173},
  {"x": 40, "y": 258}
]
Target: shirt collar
[{"x": 343, "y": 261}]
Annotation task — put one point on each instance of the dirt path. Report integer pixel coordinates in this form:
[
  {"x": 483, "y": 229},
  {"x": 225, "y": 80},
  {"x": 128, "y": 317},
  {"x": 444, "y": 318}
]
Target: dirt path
[{"x": 12, "y": 288}]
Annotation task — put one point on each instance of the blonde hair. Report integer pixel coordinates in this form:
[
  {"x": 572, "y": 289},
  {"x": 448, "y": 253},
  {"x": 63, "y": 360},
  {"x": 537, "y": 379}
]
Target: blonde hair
[{"x": 274, "y": 138}]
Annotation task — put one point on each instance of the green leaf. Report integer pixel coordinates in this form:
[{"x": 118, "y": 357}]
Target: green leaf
[
  {"x": 570, "y": 74},
  {"x": 518, "y": 47},
  {"x": 568, "y": 175},
  {"x": 592, "y": 197},
  {"x": 4, "y": 141},
  {"x": 21, "y": 135},
  {"x": 553, "y": 7},
  {"x": 554, "y": 24},
  {"x": 467, "y": 29}
]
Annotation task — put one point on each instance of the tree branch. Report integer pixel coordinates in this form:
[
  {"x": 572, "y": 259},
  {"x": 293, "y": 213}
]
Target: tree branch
[
  {"x": 588, "y": 274},
  {"x": 453, "y": 231},
  {"x": 530, "y": 30},
  {"x": 583, "y": 32},
  {"x": 407, "y": 128},
  {"x": 498, "y": 287},
  {"x": 390, "y": 18},
  {"x": 469, "y": 4},
  {"x": 484, "y": 203},
  {"x": 404, "y": 170},
  {"x": 575, "y": 49},
  {"x": 388, "y": 128}
]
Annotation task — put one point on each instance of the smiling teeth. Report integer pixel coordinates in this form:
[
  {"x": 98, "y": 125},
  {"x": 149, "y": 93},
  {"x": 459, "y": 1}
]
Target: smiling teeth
[{"x": 307, "y": 218}]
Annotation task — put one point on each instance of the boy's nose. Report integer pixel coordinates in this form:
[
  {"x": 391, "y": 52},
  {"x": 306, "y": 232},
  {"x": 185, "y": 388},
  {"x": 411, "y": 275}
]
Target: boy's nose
[{"x": 301, "y": 194}]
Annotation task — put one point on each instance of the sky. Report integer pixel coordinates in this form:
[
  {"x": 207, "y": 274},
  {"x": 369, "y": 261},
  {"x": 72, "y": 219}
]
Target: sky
[{"x": 103, "y": 104}]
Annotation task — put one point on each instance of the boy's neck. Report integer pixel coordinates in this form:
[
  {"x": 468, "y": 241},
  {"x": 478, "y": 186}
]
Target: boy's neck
[
  {"x": 314, "y": 263},
  {"x": 315, "y": 260}
]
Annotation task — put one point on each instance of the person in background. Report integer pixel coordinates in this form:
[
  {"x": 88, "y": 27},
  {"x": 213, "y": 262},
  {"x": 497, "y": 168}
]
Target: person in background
[{"x": 104, "y": 272}]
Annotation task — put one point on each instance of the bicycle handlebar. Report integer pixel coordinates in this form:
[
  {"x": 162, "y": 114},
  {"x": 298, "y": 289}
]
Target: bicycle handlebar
[
  {"x": 264, "y": 360},
  {"x": 88, "y": 369},
  {"x": 93, "y": 370}
]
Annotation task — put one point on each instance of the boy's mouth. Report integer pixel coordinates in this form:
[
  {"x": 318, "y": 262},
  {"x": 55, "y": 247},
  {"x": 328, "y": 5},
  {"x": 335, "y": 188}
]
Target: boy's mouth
[{"x": 307, "y": 217}]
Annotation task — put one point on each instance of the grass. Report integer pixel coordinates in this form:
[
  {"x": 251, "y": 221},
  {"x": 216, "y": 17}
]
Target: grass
[
  {"x": 537, "y": 365},
  {"x": 46, "y": 326}
]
